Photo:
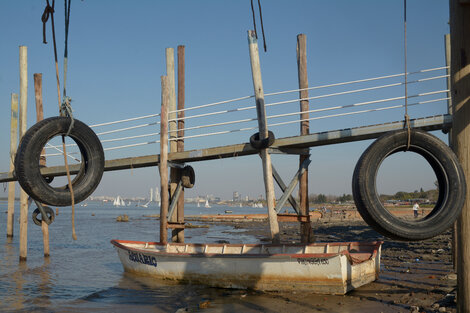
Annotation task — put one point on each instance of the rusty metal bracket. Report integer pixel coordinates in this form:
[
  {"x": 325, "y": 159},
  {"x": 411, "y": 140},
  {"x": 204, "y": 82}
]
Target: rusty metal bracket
[{"x": 287, "y": 191}]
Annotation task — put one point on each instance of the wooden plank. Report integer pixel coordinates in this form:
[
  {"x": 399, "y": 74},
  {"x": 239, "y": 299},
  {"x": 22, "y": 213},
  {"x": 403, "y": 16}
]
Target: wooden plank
[
  {"x": 317, "y": 139},
  {"x": 293, "y": 218}
]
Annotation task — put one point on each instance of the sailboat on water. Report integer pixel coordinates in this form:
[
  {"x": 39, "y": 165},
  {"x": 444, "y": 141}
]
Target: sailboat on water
[
  {"x": 207, "y": 205},
  {"x": 118, "y": 201}
]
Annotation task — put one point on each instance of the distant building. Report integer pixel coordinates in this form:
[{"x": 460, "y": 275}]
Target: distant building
[{"x": 236, "y": 196}]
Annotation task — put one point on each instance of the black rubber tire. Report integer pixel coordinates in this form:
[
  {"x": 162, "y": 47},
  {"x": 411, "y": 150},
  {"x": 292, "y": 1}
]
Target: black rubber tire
[
  {"x": 258, "y": 144},
  {"x": 27, "y": 167},
  {"x": 450, "y": 177},
  {"x": 188, "y": 177},
  {"x": 49, "y": 212}
]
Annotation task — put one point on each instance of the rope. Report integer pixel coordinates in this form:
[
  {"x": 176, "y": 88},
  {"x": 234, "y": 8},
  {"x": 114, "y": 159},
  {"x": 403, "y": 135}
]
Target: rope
[
  {"x": 407, "y": 117},
  {"x": 261, "y": 20},
  {"x": 50, "y": 12},
  {"x": 262, "y": 27}
]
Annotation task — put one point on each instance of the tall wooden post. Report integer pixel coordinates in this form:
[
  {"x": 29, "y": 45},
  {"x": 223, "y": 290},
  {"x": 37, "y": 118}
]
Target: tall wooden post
[
  {"x": 23, "y": 120},
  {"x": 460, "y": 72},
  {"x": 263, "y": 134},
  {"x": 180, "y": 142},
  {"x": 172, "y": 127},
  {"x": 449, "y": 111},
  {"x": 305, "y": 227},
  {"x": 163, "y": 166},
  {"x": 13, "y": 146},
  {"x": 42, "y": 159}
]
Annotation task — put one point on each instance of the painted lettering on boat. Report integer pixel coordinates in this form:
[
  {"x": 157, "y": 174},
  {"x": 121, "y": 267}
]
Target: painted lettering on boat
[
  {"x": 313, "y": 261},
  {"x": 141, "y": 258}
]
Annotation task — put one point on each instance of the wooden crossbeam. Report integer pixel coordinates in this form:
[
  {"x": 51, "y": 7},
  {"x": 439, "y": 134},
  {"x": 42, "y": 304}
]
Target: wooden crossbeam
[{"x": 287, "y": 144}]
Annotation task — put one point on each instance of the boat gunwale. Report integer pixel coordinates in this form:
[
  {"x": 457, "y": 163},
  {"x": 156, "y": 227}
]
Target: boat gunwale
[{"x": 375, "y": 244}]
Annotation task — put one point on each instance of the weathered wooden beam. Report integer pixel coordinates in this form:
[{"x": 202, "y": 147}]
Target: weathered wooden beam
[
  {"x": 297, "y": 142},
  {"x": 22, "y": 123},
  {"x": 263, "y": 134},
  {"x": 163, "y": 166},
  {"x": 13, "y": 145},
  {"x": 459, "y": 12},
  {"x": 305, "y": 228}
]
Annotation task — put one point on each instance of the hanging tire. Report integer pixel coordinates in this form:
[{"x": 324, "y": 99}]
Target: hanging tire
[
  {"x": 259, "y": 144},
  {"x": 27, "y": 166},
  {"x": 48, "y": 211},
  {"x": 188, "y": 177},
  {"x": 450, "y": 177}
]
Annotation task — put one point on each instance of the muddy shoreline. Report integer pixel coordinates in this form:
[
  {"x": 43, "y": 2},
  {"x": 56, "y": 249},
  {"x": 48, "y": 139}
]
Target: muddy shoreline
[{"x": 414, "y": 277}]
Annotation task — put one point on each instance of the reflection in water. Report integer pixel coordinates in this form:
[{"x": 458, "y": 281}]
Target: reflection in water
[{"x": 86, "y": 274}]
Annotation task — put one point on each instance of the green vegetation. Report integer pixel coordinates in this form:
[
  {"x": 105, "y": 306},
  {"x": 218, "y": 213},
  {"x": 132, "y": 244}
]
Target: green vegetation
[{"x": 431, "y": 195}]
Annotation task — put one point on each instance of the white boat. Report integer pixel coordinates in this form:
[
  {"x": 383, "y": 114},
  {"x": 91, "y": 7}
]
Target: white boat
[
  {"x": 118, "y": 201},
  {"x": 332, "y": 268},
  {"x": 207, "y": 205},
  {"x": 198, "y": 204}
]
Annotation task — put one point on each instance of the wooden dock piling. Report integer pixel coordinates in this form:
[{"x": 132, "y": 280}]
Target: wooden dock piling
[
  {"x": 179, "y": 233},
  {"x": 13, "y": 147},
  {"x": 42, "y": 159},
  {"x": 263, "y": 134},
  {"x": 22, "y": 131},
  {"x": 459, "y": 12},
  {"x": 172, "y": 128},
  {"x": 163, "y": 165},
  {"x": 305, "y": 227}
]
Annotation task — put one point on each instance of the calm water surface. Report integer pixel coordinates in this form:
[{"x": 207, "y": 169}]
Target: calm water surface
[{"x": 86, "y": 274}]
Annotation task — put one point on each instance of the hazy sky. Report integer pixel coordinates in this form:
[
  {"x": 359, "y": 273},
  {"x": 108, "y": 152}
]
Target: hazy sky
[{"x": 117, "y": 55}]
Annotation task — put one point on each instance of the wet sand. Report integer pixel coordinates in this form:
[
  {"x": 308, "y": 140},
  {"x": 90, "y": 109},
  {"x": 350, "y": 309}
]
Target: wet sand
[{"x": 415, "y": 276}]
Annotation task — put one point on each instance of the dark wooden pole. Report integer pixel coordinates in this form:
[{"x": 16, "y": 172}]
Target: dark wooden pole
[
  {"x": 42, "y": 159},
  {"x": 180, "y": 142},
  {"x": 305, "y": 227},
  {"x": 13, "y": 147},
  {"x": 163, "y": 165},
  {"x": 460, "y": 80}
]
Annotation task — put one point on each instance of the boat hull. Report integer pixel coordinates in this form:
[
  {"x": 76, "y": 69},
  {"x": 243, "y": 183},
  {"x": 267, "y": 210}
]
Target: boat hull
[{"x": 333, "y": 268}]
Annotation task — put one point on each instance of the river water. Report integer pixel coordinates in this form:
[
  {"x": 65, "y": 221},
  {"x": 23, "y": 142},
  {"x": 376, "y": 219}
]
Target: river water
[{"x": 86, "y": 274}]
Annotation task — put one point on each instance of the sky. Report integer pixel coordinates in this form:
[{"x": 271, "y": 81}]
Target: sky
[{"x": 117, "y": 56}]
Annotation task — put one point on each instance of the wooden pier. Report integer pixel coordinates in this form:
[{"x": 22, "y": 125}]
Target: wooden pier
[{"x": 288, "y": 145}]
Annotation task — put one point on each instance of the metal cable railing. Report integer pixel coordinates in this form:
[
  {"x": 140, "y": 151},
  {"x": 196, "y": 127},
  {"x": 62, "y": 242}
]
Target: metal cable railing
[{"x": 235, "y": 117}]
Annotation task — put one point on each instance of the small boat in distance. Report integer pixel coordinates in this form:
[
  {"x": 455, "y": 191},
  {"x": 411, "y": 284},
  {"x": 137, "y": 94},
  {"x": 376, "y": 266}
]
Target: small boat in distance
[
  {"x": 228, "y": 211},
  {"x": 207, "y": 205}
]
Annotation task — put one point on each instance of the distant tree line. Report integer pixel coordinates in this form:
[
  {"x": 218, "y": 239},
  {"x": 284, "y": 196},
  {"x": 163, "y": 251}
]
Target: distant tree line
[
  {"x": 431, "y": 195},
  {"x": 321, "y": 198}
]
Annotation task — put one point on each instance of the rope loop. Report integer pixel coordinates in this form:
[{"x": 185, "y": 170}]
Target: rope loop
[
  {"x": 66, "y": 111},
  {"x": 48, "y": 10}
]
